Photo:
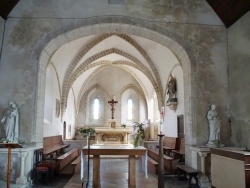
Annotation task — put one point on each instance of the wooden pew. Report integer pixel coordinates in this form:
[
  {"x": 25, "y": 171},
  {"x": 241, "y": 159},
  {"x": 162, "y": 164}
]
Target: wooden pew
[
  {"x": 76, "y": 165},
  {"x": 180, "y": 152},
  {"x": 53, "y": 145},
  {"x": 155, "y": 163},
  {"x": 67, "y": 159},
  {"x": 168, "y": 161},
  {"x": 169, "y": 144}
]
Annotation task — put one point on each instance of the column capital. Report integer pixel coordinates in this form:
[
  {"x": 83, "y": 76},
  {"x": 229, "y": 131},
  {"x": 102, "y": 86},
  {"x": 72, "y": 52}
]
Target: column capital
[
  {"x": 23, "y": 154},
  {"x": 202, "y": 154}
]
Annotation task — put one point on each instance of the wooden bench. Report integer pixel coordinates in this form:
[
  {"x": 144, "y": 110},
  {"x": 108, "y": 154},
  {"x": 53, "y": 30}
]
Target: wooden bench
[
  {"x": 191, "y": 172},
  {"x": 76, "y": 165},
  {"x": 152, "y": 161},
  {"x": 168, "y": 161},
  {"x": 66, "y": 159},
  {"x": 180, "y": 153},
  {"x": 53, "y": 145},
  {"x": 169, "y": 144}
]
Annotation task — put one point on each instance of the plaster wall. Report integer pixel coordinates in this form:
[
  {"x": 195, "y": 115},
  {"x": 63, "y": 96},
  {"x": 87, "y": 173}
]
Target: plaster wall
[
  {"x": 169, "y": 127},
  {"x": 52, "y": 123},
  {"x": 181, "y": 11},
  {"x": 239, "y": 66},
  {"x": 194, "y": 25},
  {"x": 112, "y": 85}
]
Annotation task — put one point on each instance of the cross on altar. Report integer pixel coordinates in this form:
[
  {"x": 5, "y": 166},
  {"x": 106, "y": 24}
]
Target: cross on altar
[{"x": 112, "y": 103}]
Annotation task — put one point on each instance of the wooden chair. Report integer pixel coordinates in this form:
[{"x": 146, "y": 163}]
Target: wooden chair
[{"x": 43, "y": 167}]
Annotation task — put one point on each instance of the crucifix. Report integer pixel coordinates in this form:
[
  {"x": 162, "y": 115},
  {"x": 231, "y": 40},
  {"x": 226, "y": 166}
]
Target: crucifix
[{"x": 112, "y": 103}]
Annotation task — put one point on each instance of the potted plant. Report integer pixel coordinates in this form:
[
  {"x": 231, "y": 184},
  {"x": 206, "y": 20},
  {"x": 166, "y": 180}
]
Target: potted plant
[{"x": 139, "y": 132}]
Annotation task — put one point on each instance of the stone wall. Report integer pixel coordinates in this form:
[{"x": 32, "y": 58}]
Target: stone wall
[
  {"x": 192, "y": 24},
  {"x": 239, "y": 66}
]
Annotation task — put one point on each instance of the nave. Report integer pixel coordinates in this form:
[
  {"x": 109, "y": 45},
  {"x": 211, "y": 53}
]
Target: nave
[{"x": 114, "y": 174}]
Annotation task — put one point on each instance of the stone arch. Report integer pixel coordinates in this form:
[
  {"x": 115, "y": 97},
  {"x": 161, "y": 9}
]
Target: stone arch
[
  {"x": 108, "y": 24},
  {"x": 90, "y": 45}
]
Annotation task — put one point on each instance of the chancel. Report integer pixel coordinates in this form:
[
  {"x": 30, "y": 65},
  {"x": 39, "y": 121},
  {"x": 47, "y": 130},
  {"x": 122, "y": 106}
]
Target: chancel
[{"x": 120, "y": 74}]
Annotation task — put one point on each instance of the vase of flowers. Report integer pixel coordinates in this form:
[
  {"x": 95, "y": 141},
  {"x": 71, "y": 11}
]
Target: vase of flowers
[{"x": 139, "y": 132}]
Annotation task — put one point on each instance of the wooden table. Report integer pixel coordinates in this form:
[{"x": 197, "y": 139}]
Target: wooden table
[{"x": 97, "y": 150}]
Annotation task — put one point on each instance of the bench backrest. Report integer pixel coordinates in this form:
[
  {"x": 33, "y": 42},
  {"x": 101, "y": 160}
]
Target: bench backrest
[
  {"x": 169, "y": 142},
  {"x": 51, "y": 141},
  {"x": 182, "y": 145}
]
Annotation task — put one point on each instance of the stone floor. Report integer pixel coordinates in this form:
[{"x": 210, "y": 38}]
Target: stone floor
[{"x": 114, "y": 174}]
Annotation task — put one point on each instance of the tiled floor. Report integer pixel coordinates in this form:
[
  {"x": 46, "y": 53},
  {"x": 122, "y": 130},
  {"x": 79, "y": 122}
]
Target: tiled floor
[{"x": 114, "y": 174}]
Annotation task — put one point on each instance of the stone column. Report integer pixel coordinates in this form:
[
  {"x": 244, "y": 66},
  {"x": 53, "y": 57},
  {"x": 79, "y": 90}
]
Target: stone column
[
  {"x": 203, "y": 178},
  {"x": 202, "y": 151},
  {"x": 22, "y": 179}
]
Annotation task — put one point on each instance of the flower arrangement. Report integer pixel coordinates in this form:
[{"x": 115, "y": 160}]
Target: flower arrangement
[
  {"x": 139, "y": 132},
  {"x": 123, "y": 125},
  {"x": 81, "y": 130}
]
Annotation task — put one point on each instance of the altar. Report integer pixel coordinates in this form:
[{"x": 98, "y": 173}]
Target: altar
[
  {"x": 108, "y": 135},
  {"x": 112, "y": 134}
]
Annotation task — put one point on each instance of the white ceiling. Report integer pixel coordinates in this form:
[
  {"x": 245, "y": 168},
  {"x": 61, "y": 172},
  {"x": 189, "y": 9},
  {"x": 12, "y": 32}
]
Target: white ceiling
[{"x": 162, "y": 58}]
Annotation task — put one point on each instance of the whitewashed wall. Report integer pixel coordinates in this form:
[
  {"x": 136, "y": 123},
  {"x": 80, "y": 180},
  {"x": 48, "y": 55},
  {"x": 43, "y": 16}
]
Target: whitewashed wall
[
  {"x": 52, "y": 124},
  {"x": 169, "y": 127}
]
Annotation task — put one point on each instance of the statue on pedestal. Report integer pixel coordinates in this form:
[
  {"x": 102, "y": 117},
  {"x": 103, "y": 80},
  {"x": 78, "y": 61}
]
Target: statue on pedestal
[
  {"x": 10, "y": 121},
  {"x": 214, "y": 125}
]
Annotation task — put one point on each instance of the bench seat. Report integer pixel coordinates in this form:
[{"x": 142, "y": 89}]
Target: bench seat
[
  {"x": 76, "y": 165},
  {"x": 192, "y": 173},
  {"x": 169, "y": 144},
  {"x": 67, "y": 158},
  {"x": 152, "y": 161},
  {"x": 53, "y": 146},
  {"x": 168, "y": 161}
]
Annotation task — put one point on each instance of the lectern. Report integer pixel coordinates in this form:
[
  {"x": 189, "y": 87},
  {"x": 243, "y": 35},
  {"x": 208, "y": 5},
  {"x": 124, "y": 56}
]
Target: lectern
[{"x": 10, "y": 146}]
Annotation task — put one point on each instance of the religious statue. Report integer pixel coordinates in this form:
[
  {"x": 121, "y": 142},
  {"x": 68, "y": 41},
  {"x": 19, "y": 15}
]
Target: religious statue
[
  {"x": 171, "y": 87},
  {"x": 214, "y": 125},
  {"x": 10, "y": 121}
]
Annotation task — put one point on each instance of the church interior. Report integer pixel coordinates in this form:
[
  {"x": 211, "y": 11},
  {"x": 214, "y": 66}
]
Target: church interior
[{"x": 158, "y": 88}]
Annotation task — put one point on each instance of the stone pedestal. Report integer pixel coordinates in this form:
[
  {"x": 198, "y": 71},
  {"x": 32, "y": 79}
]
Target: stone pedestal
[
  {"x": 202, "y": 152},
  {"x": 22, "y": 179},
  {"x": 21, "y": 158}
]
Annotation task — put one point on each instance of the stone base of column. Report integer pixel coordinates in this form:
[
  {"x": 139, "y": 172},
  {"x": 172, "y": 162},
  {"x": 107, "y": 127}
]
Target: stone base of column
[
  {"x": 21, "y": 180},
  {"x": 204, "y": 181}
]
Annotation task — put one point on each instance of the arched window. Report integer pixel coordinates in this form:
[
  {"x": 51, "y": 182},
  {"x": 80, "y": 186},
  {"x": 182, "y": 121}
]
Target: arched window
[
  {"x": 130, "y": 105},
  {"x": 96, "y": 109}
]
